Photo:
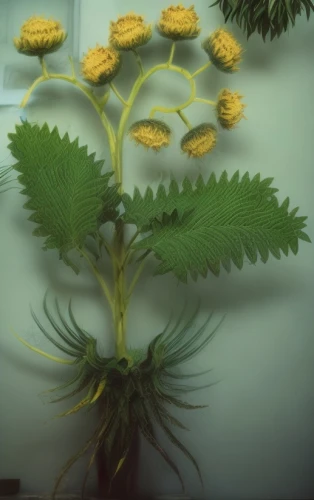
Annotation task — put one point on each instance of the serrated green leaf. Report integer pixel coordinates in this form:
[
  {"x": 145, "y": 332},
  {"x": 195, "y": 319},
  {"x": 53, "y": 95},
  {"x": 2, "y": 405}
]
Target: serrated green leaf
[
  {"x": 143, "y": 210},
  {"x": 225, "y": 220},
  {"x": 66, "y": 190}
]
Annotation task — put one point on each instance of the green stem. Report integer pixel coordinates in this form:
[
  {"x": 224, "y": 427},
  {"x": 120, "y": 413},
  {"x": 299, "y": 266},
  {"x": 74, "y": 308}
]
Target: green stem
[
  {"x": 117, "y": 93},
  {"x": 121, "y": 295},
  {"x": 72, "y": 68},
  {"x": 139, "y": 61},
  {"x": 135, "y": 279},
  {"x": 104, "y": 99},
  {"x": 135, "y": 235},
  {"x": 184, "y": 105},
  {"x": 120, "y": 302},
  {"x": 172, "y": 51},
  {"x": 99, "y": 278},
  {"x": 88, "y": 93},
  {"x": 43, "y": 67},
  {"x": 201, "y": 69},
  {"x": 185, "y": 120},
  {"x": 206, "y": 101}
]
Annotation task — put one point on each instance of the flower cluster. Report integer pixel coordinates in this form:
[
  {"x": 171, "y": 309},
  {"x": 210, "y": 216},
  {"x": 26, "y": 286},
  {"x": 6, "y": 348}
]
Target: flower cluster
[{"x": 101, "y": 64}]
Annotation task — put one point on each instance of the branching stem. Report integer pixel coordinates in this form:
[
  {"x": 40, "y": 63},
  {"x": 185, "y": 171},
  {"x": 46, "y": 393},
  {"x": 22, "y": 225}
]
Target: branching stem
[
  {"x": 119, "y": 252},
  {"x": 201, "y": 69},
  {"x": 185, "y": 120},
  {"x": 117, "y": 93},
  {"x": 206, "y": 101},
  {"x": 99, "y": 277}
]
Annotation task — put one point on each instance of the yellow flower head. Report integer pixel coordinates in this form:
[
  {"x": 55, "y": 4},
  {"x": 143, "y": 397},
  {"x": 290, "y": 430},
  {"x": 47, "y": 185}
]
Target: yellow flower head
[
  {"x": 200, "y": 140},
  {"x": 223, "y": 50},
  {"x": 100, "y": 65},
  {"x": 229, "y": 109},
  {"x": 151, "y": 133},
  {"x": 179, "y": 23},
  {"x": 129, "y": 32},
  {"x": 40, "y": 36}
]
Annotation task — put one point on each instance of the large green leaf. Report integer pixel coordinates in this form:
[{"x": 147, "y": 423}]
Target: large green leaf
[
  {"x": 67, "y": 193},
  {"x": 221, "y": 222}
]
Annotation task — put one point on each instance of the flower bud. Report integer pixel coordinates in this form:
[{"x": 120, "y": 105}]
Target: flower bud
[
  {"x": 129, "y": 32},
  {"x": 40, "y": 36},
  {"x": 153, "y": 134},
  {"x": 223, "y": 50},
  {"x": 100, "y": 65},
  {"x": 229, "y": 109},
  {"x": 199, "y": 141},
  {"x": 179, "y": 23}
]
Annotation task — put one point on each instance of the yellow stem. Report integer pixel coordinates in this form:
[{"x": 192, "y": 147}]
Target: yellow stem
[
  {"x": 99, "y": 278},
  {"x": 44, "y": 67},
  {"x": 88, "y": 93},
  {"x": 72, "y": 68},
  {"x": 172, "y": 51},
  {"x": 206, "y": 101},
  {"x": 104, "y": 99},
  {"x": 119, "y": 300},
  {"x": 201, "y": 69},
  {"x": 185, "y": 120},
  {"x": 187, "y": 103},
  {"x": 133, "y": 239},
  {"x": 139, "y": 61},
  {"x": 135, "y": 279},
  {"x": 117, "y": 93},
  {"x": 121, "y": 296}
]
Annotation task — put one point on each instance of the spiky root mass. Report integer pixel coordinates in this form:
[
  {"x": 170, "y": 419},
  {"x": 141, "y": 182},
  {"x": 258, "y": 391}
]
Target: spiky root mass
[{"x": 132, "y": 397}]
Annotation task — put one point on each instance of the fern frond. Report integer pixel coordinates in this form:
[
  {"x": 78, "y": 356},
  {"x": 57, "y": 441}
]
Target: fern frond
[{"x": 220, "y": 222}]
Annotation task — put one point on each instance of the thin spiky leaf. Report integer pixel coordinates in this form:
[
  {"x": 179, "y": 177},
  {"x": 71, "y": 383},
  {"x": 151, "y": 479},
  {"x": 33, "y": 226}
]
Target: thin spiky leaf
[
  {"x": 265, "y": 17},
  {"x": 4, "y": 178}
]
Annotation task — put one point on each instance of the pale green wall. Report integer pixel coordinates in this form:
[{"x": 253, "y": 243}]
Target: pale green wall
[{"x": 256, "y": 439}]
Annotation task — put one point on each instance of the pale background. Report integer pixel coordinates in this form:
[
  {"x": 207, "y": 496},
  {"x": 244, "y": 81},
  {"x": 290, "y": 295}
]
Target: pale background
[{"x": 256, "y": 439}]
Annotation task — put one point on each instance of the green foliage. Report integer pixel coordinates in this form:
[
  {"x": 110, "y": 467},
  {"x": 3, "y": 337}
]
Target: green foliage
[
  {"x": 135, "y": 396},
  {"x": 264, "y": 16},
  {"x": 67, "y": 193},
  {"x": 203, "y": 226}
]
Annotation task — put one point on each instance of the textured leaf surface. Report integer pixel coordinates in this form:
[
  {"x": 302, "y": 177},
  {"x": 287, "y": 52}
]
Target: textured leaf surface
[
  {"x": 67, "y": 193},
  {"x": 223, "y": 221},
  {"x": 142, "y": 210}
]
